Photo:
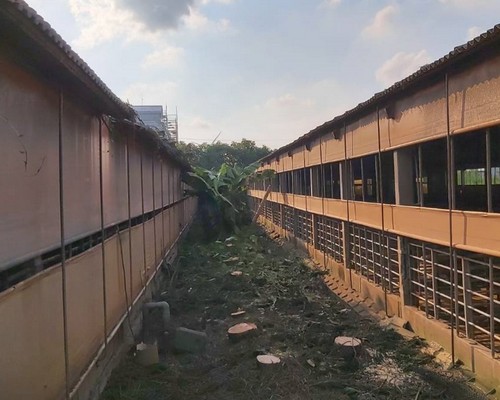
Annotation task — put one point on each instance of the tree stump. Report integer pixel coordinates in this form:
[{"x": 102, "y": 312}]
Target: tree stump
[
  {"x": 350, "y": 347},
  {"x": 239, "y": 331},
  {"x": 236, "y": 273},
  {"x": 266, "y": 360}
]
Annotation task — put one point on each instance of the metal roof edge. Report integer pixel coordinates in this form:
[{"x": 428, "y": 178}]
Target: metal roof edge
[
  {"x": 20, "y": 10},
  {"x": 171, "y": 150},
  {"x": 426, "y": 71}
]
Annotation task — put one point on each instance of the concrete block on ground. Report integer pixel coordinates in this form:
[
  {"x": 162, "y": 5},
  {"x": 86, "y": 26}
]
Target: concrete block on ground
[
  {"x": 147, "y": 354},
  {"x": 189, "y": 340},
  {"x": 155, "y": 320}
]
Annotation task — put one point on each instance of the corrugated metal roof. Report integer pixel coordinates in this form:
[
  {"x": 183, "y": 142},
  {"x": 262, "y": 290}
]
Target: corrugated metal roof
[
  {"x": 175, "y": 154},
  {"x": 485, "y": 40},
  {"x": 48, "y": 32},
  {"x": 127, "y": 115}
]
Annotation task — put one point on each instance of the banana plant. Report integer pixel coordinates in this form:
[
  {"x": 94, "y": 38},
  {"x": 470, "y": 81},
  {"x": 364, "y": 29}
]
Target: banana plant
[{"x": 223, "y": 202}]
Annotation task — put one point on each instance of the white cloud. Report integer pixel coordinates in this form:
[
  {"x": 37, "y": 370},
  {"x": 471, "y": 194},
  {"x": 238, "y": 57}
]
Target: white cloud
[
  {"x": 196, "y": 21},
  {"x": 474, "y": 31},
  {"x": 329, "y": 3},
  {"x": 401, "y": 65},
  {"x": 199, "y": 123},
  {"x": 381, "y": 24},
  {"x": 167, "y": 56},
  {"x": 102, "y": 21},
  {"x": 287, "y": 101},
  {"x": 157, "y": 14},
  {"x": 149, "y": 93}
]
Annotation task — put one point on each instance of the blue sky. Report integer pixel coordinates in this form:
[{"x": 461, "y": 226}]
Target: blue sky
[{"x": 266, "y": 70}]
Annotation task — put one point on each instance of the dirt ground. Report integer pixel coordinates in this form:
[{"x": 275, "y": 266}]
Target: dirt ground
[{"x": 298, "y": 319}]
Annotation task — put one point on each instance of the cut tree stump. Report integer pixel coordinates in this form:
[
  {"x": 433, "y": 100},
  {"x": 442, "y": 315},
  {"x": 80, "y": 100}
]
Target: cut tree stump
[
  {"x": 349, "y": 346},
  {"x": 239, "y": 331},
  {"x": 236, "y": 273},
  {"x": 265, "y": 360}
]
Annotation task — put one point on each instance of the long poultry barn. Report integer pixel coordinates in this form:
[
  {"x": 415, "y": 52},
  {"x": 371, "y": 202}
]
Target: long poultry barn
[
  {"x": 400, "y": 199},
  {"x": 91, "y": 205}
]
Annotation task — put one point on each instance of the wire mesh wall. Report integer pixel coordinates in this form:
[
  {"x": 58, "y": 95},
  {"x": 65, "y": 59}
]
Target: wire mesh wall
[
  {"x": 330, "y": 237},
  {"x": 304, "y": 226},
  {"x": 474, "y": 302},
  {"x": 288, "y": 223},
  {"x": 267, "y": 210},
  {"x": 276, "y": 217},
  {"x": 375, "y": 256}
]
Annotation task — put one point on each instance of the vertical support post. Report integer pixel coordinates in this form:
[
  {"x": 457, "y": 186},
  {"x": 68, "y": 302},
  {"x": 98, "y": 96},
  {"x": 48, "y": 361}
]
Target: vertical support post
[
  {"x": 435, "y": 283},
  {"x": 129, "y": 209},
  {"x": 405, "y": 271},
  {"x": 345, "y": 176},
  {"x": 468, "y": 315},
  {"x": 162, "y": 211},
  {"x": 450, "y": 214},
  {"x": 455, "y": 300},
  {"x": 492, "y": 305},
  {"x": 143, "y": 274},
  {"x": 453, "y": 175},
  {"x": 384, "y": 261},
  {"x": 322, "y": 193},
  {"x": 170, "y": 201},
  {"x": 103, "y": 251},
  {"x": 423, "y": 268},
  {"x": 154, "y": 208},
  {"x": 63, "y": 244}
]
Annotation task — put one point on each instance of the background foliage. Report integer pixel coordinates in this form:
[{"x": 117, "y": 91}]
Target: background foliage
[{"x": 212, "y": 156}]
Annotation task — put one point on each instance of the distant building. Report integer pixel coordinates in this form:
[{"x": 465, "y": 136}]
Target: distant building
[{"x": 154, "y": 117}]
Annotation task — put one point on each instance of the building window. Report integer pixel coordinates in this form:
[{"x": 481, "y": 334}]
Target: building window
[
  {"x": 471, "y": 177},
  {"x": 433, "y": 184},
  {"x": 494, "y": 136},
  {"x": 357, "y": 179},
  {"x": 364, "y": 179},
  {"x": 495, "y": 175},
  {"x": 388, "y": 183},
  {"x": 317, "y": 181}
]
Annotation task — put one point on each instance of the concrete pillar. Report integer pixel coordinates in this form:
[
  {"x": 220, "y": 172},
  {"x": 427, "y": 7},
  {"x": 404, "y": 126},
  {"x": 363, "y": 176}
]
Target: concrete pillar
[{"x": 404, "y": 177}]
